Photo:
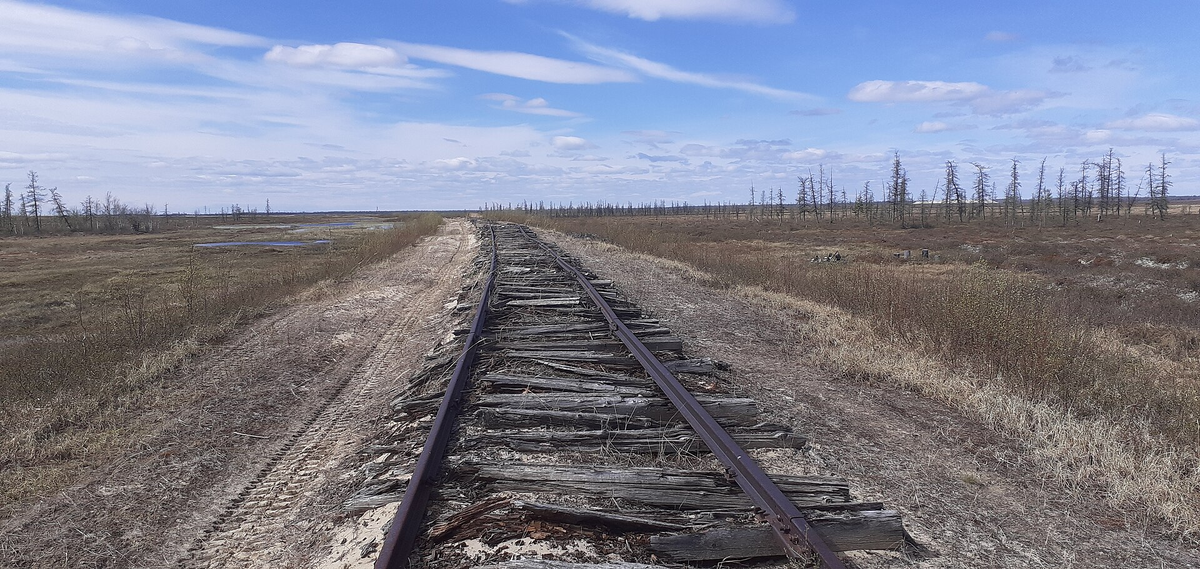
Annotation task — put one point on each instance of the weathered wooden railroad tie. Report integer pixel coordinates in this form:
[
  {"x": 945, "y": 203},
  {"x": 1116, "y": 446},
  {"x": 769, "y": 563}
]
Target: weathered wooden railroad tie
[{"x": 569, "y": 448}]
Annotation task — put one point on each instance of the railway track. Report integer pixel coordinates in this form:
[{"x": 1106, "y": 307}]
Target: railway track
[{"x": 568, "y": 429}]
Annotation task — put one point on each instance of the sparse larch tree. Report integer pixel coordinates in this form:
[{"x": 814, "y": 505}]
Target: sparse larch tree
[
  {"x": 8, "y": 208},
  {"x": 60, "y": 209},
  {"x": 34, "y": 196},
  {"x": 981, "y": 190},
  {"x": 1159, "y": 188},
  {"x": 1012, "y": 195}
]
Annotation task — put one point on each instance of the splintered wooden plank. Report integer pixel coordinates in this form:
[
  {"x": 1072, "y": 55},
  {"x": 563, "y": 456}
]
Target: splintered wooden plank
[
  {"x": 520, "y": 384},
  {"x": 552, "y": 302},
  {"x": 639, "y": 327},
  {"x": 848, "y": 531},
  {"x": 678, "y": 489},
  {"x": 580, "y": 516},
  {"x": 654, "y": 343},
  {"x": 590, "y": 357},
  {"x": 547, "y": 564},
  {"x": 699, "y": 366},
  {"x": 511, "y": 418},
  {"x": 659, "y": 409},
  {"x": 658, "y": 440}
]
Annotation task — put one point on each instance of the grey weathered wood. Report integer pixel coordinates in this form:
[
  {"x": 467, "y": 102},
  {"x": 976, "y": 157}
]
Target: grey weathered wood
[
  {"x": 446, "y": 527},
  {"x": 420, "y": 405},
  {"x": 547, "y": 564},
  {"x": 519, "y": 384},
  {"x": 591, "y": 357},
  {"x": 654, "y": 343},
  {"x": 656, "y": 408},
  {"x": 583, "y": 371},
  {"x": 700, "y": 366},
  {"x": 512, "y": 290},
  {"x": 880, "y": 529},
  {"x": 658, "y": 440},
  {"x": 638, "y": 326},
  {"x": 611, "y": 520},
  {"x": 684, "y": 490},
  {"x": 551, "y": 302},
  {"x": 360, "y": 504},
  {"x": 508, "y": 417}
]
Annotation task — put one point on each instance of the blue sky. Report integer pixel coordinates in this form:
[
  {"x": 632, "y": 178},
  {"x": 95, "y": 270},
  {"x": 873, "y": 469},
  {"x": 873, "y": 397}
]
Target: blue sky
[{"x": 414, "y": 105}]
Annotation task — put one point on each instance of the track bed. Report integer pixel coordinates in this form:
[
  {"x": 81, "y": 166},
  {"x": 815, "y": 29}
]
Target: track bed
[{"x": 565, "y": 449}]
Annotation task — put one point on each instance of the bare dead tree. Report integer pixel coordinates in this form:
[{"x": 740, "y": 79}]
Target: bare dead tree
[
  {"x": 981, "y": 190},
  {"x": 60, "y": 209}
]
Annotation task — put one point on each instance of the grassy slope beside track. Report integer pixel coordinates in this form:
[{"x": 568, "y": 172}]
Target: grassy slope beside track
[
  {"x": 1092, "y": 364},
  {"x": 90, "y": 320}
]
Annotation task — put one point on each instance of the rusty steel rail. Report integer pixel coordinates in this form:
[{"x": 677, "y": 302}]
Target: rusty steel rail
[
  {"x": 402, "y": 536},
  {"x": 798, "y": 537}
]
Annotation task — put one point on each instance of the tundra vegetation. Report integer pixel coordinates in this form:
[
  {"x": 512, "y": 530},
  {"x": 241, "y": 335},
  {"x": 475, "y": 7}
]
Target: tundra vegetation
[
  {"x": 101, "y": 299},
  {"x": 1073, "y": 303}
]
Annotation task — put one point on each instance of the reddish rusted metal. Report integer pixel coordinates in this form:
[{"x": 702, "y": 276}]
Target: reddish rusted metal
[
  {"x": 797, "y": 536},
  {"x": 401, "y": 537}
]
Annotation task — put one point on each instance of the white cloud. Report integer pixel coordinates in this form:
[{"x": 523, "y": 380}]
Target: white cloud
[
  {"x": 349, "y": 55},
  {"x": 915, "y": 91},
  {"x": 535, "y": 106},
  {"x": 928, "y": 127},
  {"x": 516, "y": 64},
  {"x": 1000, "y": 37},
  {"x": 1097, "y": 136},
  {"x": 651, "y": 137},
  {"x": 1069, "y": 64},
  {"x": 1156, "y": 122},
  {"x": 570, "y": 143},
  {"x": 817, "y": 112},
  {"x": 36, "y": 28},
  {"x": 753, "y": 11},
  {"x": 663, "y": 71},
  {"x": 806, "y": 155},
  {"x": 981, "y": 98}
]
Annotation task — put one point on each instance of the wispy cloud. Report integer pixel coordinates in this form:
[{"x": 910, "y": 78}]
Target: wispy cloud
[
  {"x": 744, "y": 11},
  {"x": 1069, "y": 64},
  {"x": 981, "y": 98},
  {"x": 570, "y": 143},
  {"x": 666, "y": 72},
  {"x": 1156, "y": 122},
  {"x": 929, "y": 127},
  {"x": 535, "y": 106},
  {"x": 1000, "y": 37},
  {"x": 515, "y": 64},
  {"x": 351, "y": 55},
  {"x": 818, "y": 112},
  {"x": 37, "y": 28}
]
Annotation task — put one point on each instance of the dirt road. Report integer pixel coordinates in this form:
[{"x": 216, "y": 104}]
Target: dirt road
[{"x": 239, "y": 461}]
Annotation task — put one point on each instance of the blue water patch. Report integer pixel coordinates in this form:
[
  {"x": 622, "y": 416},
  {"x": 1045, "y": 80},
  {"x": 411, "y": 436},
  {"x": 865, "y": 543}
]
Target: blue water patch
[
  {"x": 337, "y": 224},
  {"x": 264, "y": 243}
]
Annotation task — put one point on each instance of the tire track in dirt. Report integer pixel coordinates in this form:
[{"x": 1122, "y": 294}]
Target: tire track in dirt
[
  {"x": 306, "y": 380},
  {"x": 259, "y": 525}
]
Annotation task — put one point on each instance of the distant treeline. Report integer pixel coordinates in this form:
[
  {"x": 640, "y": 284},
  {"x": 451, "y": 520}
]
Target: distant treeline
[
  {"x": 1099, "y": 191},
  {"x": 36, "y": 209}
]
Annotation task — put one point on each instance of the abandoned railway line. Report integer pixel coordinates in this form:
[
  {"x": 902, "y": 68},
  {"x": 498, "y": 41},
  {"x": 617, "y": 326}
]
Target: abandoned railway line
[{"x": 564, "y": 426}]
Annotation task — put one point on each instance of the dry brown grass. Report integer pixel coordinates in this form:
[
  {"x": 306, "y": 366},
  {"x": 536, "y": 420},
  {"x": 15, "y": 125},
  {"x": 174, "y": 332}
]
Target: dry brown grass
[
  {"x": 1101, "y": 383},
  {"x": 94, "y": 320}
]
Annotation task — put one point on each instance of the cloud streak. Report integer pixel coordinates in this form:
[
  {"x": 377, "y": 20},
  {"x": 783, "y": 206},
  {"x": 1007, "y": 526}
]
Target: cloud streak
[
  {"x": 535, "y": 106},
  {"x": 349, "y": 55},
  {"x": 36, "y": 28},
  {"x": 742, "y": 11},
  {"x": 515, "y": 64},
  {"x": 1156, "y": 122},
  {"x": 666, "y": 72},
  {"x": 982, "y": 99}
]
